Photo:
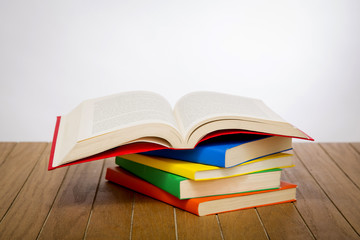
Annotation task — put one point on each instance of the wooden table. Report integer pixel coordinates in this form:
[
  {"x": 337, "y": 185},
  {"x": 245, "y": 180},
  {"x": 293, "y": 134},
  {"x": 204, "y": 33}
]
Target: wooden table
[{"x": 78, "y": 203}]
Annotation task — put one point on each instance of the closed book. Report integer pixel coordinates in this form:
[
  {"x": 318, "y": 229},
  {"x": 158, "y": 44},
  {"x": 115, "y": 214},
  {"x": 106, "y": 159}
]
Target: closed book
[
  {"x": 228, "y": 151},
  {"x": 205, "y": 205},
  {"x": 184, "y": 188},
  {"x": 197, "y": 171}
]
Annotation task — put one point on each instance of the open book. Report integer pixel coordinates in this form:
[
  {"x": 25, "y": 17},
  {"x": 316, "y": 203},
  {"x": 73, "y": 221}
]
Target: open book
[{"x": 140, "y": 121}]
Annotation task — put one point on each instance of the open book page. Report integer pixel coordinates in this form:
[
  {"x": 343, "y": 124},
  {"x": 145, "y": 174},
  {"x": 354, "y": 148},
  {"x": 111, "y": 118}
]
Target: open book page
[
  {"x": 195, "y": 108},
  {"x": 100, "y": 124},
  {"x": 68, "y": 134},
  {"x": 119, "y": 111}
]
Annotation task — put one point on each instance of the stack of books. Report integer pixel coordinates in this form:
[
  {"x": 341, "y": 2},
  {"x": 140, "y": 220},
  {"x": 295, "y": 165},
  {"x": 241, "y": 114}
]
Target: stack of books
[
  {"x": 211, "y": 153},
  {"x": 222, "y": 174}
]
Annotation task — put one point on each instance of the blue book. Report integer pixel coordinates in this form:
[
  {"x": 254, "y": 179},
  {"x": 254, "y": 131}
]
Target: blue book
[{"x": 230, "y": 150}]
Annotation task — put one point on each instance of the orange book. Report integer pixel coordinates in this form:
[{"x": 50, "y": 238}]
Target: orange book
[{"x": 205, "y": 205}]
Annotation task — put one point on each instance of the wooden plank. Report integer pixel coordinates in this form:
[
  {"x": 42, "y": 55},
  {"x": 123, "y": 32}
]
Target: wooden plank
[
  {"x": 282, "y": 221},
  {"x": 248, "y": 225},
  {"x": 5, "y": 149},
  {"x": 190, "y": 226},
  {"x": 356, "y": 146},
  {"x": 321, "y": 216},
  {"x": 28, "y": 212},
  {"x": 69, "y": 215},
  {"x": 15, "y": 170},
  {"x": 337, "y": 186},
  {"x": 112, "y": 211},
  {"x": 318, "y": 175},
  {"x": 346, "y": 158},
  {"x": 152, "y": 219}
]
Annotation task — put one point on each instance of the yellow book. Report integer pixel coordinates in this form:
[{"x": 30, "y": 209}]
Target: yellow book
[{"x": 196, "y": 171}]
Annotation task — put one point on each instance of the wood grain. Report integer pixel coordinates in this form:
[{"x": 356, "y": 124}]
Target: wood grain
[
  {"x": 15, "y": 170},
  {"x": 112, "y": 211},
  {"x": 356, "y": 146},
  {"x": 346, "y": 158},
  {"x": 71, "y": 203},
  {"x": 28, "y": 212},
  {"x": 282, "y": 221},
  {"x": 190, "y": 226},
  {"x": 334, "y": 182},
  {"x": 322, "y": 217},
  {"x": 5, "y": 149},
  {"x": 70, "y": 213},
  {"x": 248, "y": 225},
  {"x": 152, "y": 219}
]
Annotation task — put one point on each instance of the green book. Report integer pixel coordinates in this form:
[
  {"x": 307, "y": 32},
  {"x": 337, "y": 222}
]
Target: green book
[{"x": 184, "y": 188}]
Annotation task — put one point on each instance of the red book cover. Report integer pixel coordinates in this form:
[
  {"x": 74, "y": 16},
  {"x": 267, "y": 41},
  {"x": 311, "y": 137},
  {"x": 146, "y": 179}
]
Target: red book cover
[{"x": 126, "y": 179}]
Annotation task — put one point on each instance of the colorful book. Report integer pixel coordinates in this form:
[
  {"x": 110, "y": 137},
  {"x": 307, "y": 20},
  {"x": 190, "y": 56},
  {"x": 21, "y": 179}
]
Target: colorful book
[
  {"x": 228, "y": 151},
  {"x": 133, "y": 122},
  {"x": 197, "y": 171},
  {"x": 205, "y": 205},
  {"x": 184, "y": 188}
]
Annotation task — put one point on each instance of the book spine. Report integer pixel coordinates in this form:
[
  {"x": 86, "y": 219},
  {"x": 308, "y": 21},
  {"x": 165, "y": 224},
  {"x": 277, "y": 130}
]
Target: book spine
[
  {"x": 167, "y": 166},
  {"x": 204, "y": 155},
  {"x": 125, "y": 179},
  {"x": 166, "y": 181}
]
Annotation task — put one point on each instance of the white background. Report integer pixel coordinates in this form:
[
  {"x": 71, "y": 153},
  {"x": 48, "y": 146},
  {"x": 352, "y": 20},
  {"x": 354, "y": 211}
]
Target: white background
[{"x": 301, "y": 57}]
